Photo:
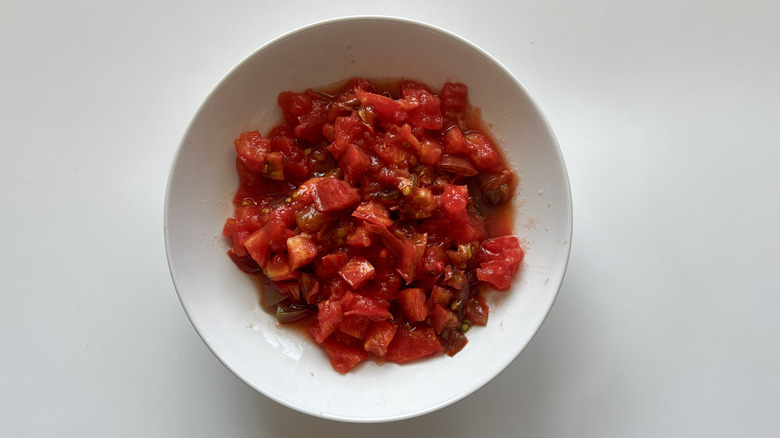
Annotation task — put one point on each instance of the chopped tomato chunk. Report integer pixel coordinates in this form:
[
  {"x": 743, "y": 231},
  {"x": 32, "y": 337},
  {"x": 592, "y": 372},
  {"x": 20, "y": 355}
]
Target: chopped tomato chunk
[
  {"x": 357, "y": 272},
  {"x": 379, "y": 336},
  {"x": 332, "y": 194},
  {"x": 343, "y": 357},
  {"x": 413, "y": 304},
  {"x": 410, "y": 343}
]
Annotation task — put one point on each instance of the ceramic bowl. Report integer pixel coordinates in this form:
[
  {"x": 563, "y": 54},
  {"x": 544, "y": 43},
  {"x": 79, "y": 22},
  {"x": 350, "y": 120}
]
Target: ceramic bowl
[{"x": 222, "y": 302}]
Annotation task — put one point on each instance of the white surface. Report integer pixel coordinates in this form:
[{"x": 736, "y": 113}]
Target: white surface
[
  {"x": 666, "y": 113},
  {"x": 223, "y": 304}
]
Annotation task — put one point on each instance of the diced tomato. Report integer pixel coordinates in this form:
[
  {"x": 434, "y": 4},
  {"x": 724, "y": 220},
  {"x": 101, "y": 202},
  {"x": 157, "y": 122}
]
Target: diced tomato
[
  {"x": 252, "y": 149},
  {"x": 374, "y": 213},
  {"x": 454, "y": 141},
  {"x": 329, "y": 317},
  {"x": 441, "y": 295},
  {"x": 454, "y": 98},
  {"x": 499, "y": 260},
  {"x": 413, "y": 304},
  {"x": 443, "y": 318},
  {"x": 373, "y": 308},
  {"x": 301, "y": 251},
  {"x": 385, "y": 286},
  {"x": 343, "y": 357},
  {"x": 410, "y": 343},
  {"x": 454, "y": 199},
  {"x": 357, "y": 272},
  {"x": 306, "y": 112},
  {"x": 274, "y": 166},
  {"x": 278, "y": 242},
  {"x": 428, "y": 113},
  {"x": 392, "y": 151},
  {"x": 477, "y": 310},
  {"x": 379, "y": 336},
  {"x": 430, "y": 152},
  {"x": 257, "y": 245},
  {"x": 496, "y": 272},
  {"x": 434, "y": 259},
  {"x": 359, "y": 237},
  {"x": 310, "y": 220},
  {"x": 278, "y": 268},
  {"x": 354, "y": 162},
  {"x": 331, "y": 194},
  {"x": 386, "y": 107},
  {"x": 329, "y": 265},
  {"x": 334, "y": 288},
  {"x": 347, "y": 130},
  {"x": 452, "y": 341},
  {"x": 296, "y": 166},
  {"x": 355, "y": 325},
  {"x": 281, "y": 140},
  {"x": 482, "y": 153}
]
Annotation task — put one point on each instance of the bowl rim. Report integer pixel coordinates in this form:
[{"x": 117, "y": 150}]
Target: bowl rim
[{"x": 568, "y": 232}]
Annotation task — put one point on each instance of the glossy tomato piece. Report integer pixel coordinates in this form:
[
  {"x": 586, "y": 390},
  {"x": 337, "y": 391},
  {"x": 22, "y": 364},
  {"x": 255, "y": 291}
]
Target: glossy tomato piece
[
  {"x": 301, "y": 250},
  {"x": 454, "y": 98},
  {"x": 305, "y": 112},
  {"x": 252, "y": 150},
  {"x": 482, "y": 153},
  {"x": 372, "y": 308},
  {"x": 329, "y": 317},
  {"x": 343, "y": 357},
  {"x": 357, "y": 272},
  {"x": 455, "y": 199},
  {"x": 331, "y": 194},
  {"x": 355, "y": 325},
  {"x": 379, "y": 336},
  {"x": 414, "y": 305},
  {"x": 411, "y": 343}
]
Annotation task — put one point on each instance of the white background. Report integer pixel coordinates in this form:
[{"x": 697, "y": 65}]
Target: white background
[{"x": 668, "y": 117}]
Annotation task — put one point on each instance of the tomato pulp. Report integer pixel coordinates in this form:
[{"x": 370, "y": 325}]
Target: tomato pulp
[{"x": 366, "y": 212}]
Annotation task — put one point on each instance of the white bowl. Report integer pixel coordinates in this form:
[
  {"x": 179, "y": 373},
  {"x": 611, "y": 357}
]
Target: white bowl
[{"x": 222, "y": 302}]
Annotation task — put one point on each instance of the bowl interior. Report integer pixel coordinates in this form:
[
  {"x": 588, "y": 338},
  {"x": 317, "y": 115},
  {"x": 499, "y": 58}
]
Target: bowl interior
[{"x": 222, "y": 302}]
